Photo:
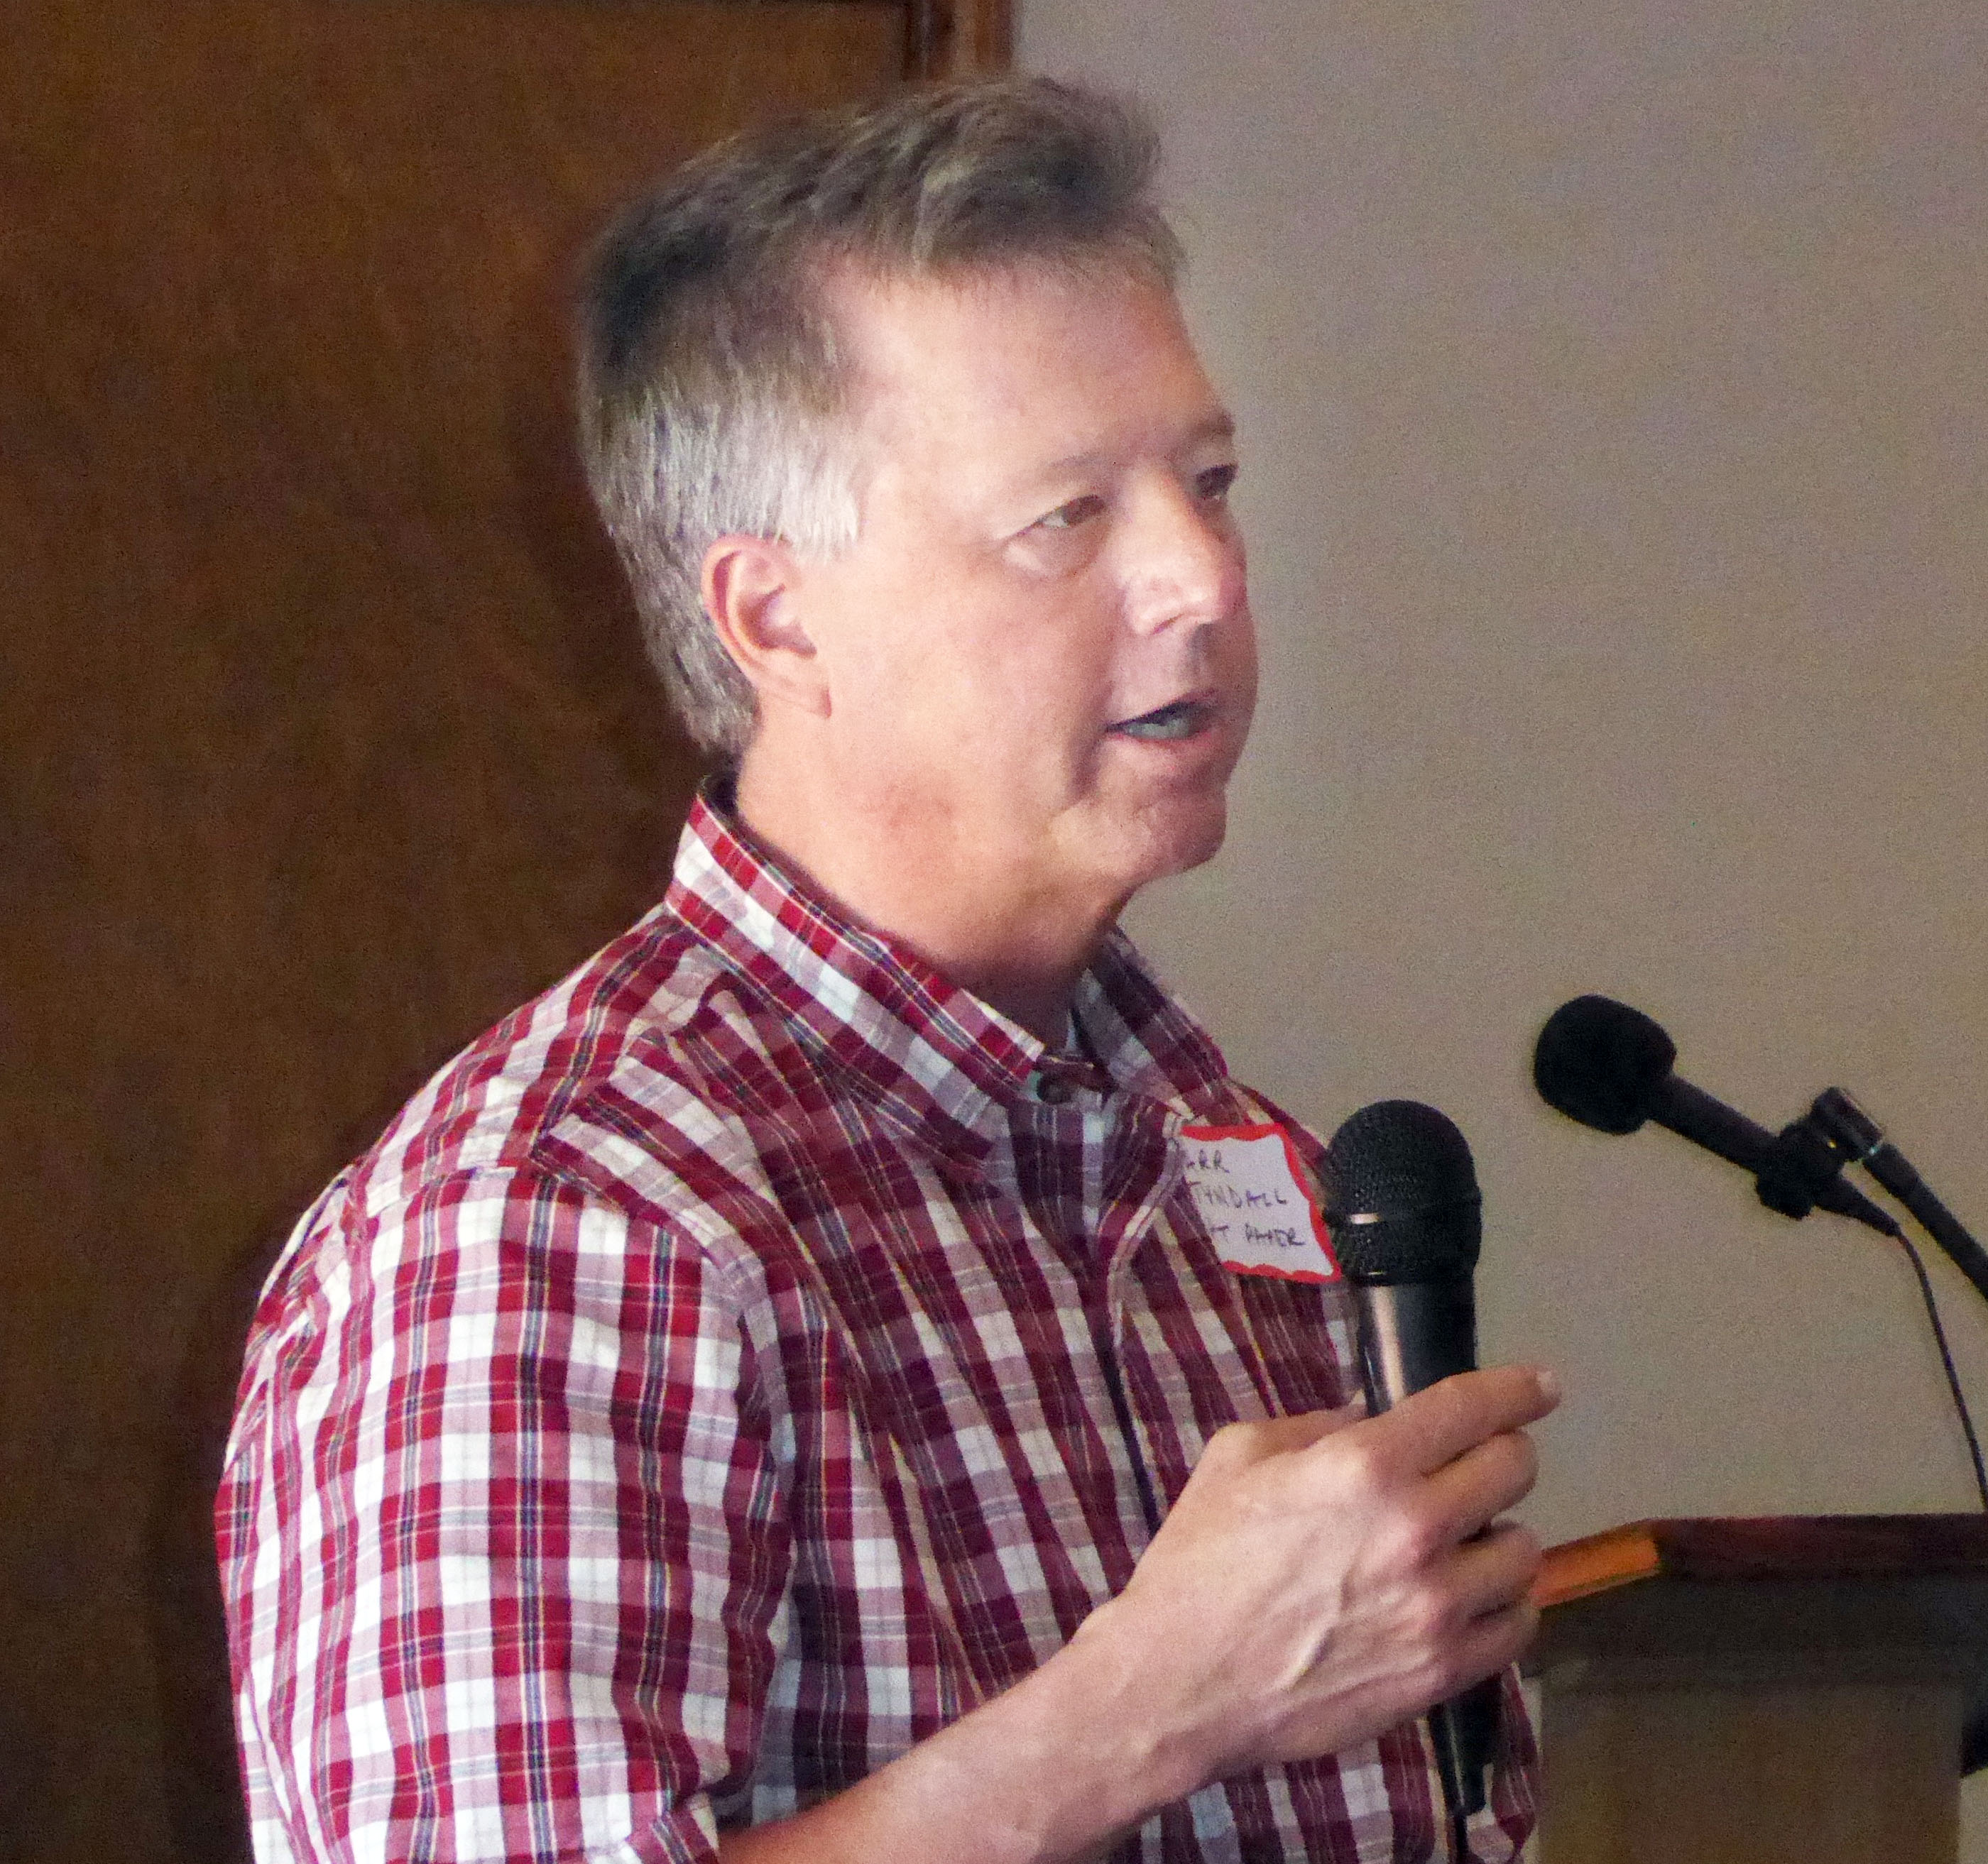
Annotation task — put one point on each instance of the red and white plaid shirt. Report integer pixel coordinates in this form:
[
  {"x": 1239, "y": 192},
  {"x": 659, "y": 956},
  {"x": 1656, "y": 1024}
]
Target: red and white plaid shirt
[{"x": 746, "y": 1359}]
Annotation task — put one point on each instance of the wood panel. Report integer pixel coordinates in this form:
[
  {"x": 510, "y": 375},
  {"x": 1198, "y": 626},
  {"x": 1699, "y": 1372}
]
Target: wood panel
[
  {"x": 1856, "y": 1774},
  {"x": 1772, "y": 1689},
  {"x": 956, "y": 38},
  {"x": 324, "y": 737}
]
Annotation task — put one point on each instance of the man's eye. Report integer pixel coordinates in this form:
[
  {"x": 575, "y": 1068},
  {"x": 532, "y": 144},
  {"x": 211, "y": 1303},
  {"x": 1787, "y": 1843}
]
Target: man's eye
[
  {"x": 1213, "y": 484},
  {"x": 1068, "y": 517}
]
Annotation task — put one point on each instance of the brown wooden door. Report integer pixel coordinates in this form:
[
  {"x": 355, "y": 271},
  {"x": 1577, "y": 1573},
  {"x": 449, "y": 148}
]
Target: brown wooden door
[{"x": 324, "y": 738}]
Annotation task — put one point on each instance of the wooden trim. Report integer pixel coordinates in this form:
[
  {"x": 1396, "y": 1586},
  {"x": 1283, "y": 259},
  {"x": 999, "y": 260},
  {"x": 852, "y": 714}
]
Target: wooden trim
[
  {"x": 1776, "y": 1547},
  {"x": 1576, "y": 1569},
  {"x": 958, "y": 38}
]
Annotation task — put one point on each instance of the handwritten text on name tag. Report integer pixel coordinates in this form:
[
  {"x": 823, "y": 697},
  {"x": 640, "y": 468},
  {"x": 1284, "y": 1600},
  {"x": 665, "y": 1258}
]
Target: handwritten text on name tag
[{"x": 1250, "y": 1189}]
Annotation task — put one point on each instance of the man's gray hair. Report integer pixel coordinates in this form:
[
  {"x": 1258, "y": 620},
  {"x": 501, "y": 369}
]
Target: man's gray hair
[{"x": 713, "y": 395}]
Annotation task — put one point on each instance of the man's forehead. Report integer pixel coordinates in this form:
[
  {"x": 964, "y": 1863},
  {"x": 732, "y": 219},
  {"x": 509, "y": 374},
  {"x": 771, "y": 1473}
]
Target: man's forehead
[{"x": 916, "y": 343}]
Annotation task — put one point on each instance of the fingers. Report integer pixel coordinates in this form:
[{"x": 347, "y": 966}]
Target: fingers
[
  {"x": 1488, "y": 1615},
  {"x": 1454, "y": 1457},
  {"x": 1496, "y": 1571},
  {"x": 1487, "y": 1644},
  {"x": 1435, "y": 1426},
  {"x": 1426, "y": 1431},
  {"x": 1468, "y": 1494}
]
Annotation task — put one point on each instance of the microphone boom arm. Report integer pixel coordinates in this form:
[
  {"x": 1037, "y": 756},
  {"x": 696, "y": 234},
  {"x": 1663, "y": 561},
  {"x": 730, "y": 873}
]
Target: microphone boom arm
[{"x": 1854, "y": 1136}]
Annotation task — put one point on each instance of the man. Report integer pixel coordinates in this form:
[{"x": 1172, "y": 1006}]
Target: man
[{"x": 774, "y": 1398}]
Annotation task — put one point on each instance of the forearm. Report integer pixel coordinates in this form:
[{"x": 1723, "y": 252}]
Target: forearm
[{"x": 1051, "y": 1772}]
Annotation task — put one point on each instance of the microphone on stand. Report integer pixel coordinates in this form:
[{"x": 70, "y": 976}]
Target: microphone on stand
[
  {"x": 1406, "y": 1221},
  {"x": 1609, "y": 1066}
]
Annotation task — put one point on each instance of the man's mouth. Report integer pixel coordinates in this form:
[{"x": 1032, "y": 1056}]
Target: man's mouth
[{"x": 1181, "y": 719}]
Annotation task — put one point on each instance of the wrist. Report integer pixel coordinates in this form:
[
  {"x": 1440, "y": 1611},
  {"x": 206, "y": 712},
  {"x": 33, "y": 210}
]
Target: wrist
[
  {"x": 1137, "y": 1748},
  {"x": 1071, "y": 1759},
  {"x": 1055, "y": 1770}
]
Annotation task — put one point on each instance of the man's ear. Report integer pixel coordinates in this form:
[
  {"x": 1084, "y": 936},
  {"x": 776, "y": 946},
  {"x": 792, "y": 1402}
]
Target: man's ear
[{"x": 750, "y": 593}]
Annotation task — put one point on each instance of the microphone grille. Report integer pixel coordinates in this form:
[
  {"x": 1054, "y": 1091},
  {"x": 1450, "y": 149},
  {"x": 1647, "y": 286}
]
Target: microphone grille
[
  {"x": 1601, "y": 1062},
  {"x": 1407, "y": 1168}
]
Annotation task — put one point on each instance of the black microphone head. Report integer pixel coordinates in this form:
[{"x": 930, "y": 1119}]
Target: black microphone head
[
  {"x": 1601, "y": 1062},
  {"x": 1401, "y": 1197}
]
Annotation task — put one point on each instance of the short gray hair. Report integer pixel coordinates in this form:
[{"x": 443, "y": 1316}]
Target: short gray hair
[{"x": 713, "y": 397}]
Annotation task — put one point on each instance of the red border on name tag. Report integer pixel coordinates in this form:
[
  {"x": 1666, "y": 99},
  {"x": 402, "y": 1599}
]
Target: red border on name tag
[{"x": 1300, "y": 1179}]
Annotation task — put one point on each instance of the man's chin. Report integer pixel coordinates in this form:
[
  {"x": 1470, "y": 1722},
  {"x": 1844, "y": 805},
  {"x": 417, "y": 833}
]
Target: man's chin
[{"x": 1173, "y": 839}]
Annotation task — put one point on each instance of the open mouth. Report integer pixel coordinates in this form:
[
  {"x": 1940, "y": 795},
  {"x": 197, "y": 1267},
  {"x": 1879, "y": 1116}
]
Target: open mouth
[{"x": 1181, "y": 719}]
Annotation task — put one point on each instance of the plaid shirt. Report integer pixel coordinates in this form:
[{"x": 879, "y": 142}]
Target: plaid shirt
[{"x": 746, "y": 1359}]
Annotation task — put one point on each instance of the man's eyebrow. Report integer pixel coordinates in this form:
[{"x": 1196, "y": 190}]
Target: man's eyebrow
[{"x": 1216, "y": 426}]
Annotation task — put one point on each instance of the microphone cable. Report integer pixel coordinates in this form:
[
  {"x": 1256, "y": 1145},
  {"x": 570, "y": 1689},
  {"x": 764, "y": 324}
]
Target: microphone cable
[{"x": 1947, "y": 1365}]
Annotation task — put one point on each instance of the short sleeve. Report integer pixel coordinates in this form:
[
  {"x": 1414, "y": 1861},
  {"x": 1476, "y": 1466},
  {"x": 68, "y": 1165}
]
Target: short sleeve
[{"x": 502, "y": 1536}]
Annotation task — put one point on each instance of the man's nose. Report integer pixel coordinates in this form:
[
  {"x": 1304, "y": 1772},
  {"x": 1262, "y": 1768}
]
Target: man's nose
[{"x": 1183, "y": 559}]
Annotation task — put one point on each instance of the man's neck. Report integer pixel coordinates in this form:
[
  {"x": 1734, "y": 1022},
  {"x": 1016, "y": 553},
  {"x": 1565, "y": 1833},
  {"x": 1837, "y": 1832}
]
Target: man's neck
[{"x": 1015, "y": 943}]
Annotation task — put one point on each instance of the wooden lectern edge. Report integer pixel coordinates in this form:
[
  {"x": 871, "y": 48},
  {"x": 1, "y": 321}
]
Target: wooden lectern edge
[
  {"x": 1764, "y": 1547},
  {"x": 1709, "y": 1688},
  {"x": 1752, "y": 1549},
  {"x": 1598, "y": 1562}
]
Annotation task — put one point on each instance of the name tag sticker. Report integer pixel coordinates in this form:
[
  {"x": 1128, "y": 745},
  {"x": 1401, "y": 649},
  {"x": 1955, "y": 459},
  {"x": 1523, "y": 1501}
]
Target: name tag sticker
[{"x": 1249, "y": 1188}]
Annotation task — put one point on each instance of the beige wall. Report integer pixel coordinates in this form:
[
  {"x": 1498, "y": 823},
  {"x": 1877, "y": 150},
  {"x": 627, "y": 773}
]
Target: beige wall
[{"x": 1612, "y": 385}]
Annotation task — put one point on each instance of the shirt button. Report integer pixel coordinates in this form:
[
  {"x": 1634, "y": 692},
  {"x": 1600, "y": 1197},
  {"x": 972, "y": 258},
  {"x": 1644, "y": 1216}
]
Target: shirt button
[{"x": 1052, "y": 1090}]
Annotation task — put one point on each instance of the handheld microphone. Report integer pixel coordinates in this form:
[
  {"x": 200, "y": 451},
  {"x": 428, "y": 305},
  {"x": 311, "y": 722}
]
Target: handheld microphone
[
  {"x": 1406, "y": 1221},
  {"x": 1609, "y": 1066}
]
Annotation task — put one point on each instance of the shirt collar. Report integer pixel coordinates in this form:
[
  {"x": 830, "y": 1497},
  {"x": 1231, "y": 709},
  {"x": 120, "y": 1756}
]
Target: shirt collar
[{"x": 933, "y": 1055}]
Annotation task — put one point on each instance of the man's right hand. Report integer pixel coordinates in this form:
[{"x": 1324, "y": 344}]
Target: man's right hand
[
  {"x": 1324, "y": 1577},
  {"x": 1320, "y": 1578}
]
